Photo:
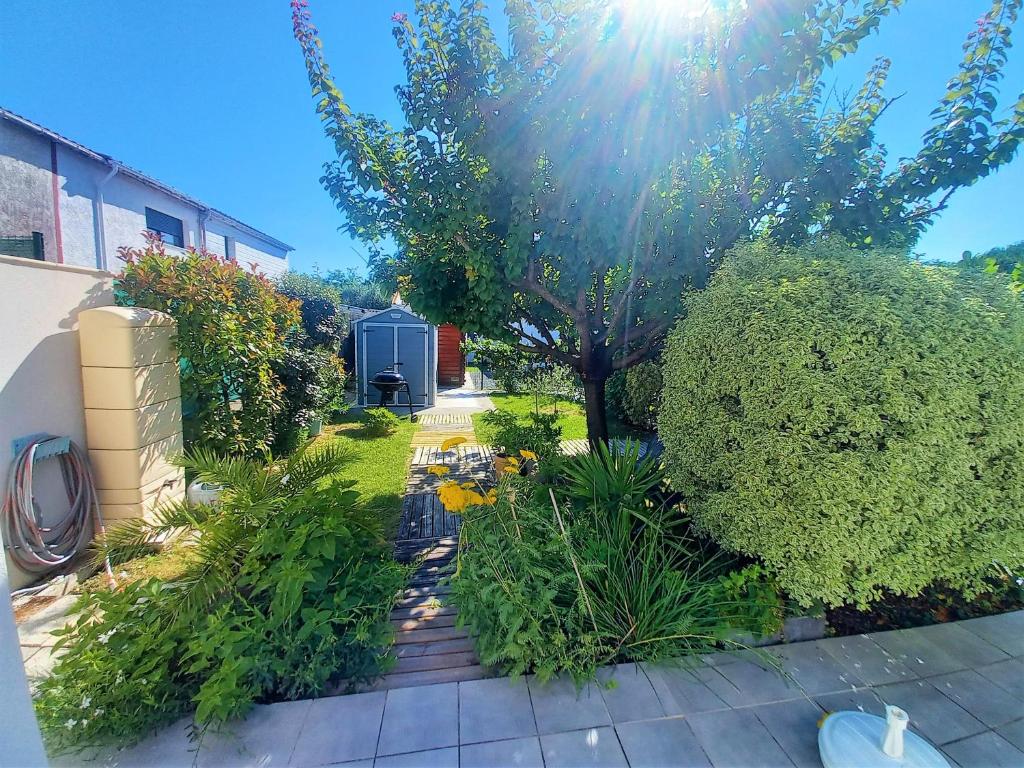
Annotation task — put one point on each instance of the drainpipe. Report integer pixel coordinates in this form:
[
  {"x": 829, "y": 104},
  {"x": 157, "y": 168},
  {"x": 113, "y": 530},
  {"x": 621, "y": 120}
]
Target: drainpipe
[
  {"x": 97, "y": 212},
  {"x": 204, "y": 216}
]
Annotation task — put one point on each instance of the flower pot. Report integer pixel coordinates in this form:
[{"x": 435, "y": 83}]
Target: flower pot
[
  {"x": 501, "y": 466},
  {"x": 316, "y": 426}
]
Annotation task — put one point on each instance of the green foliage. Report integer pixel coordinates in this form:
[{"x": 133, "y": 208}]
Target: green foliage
[
  {"x": 323, "y": 320},
  {"x": 288, "y": 589},
  {"x": 642, "y": 395},
  {"x": 1008, "y": 260},
  {"x": 357, "y": 291},
  {"x": 506, "y": 363},
  {"x": 314, "y": 381},
  {"x": 851, "y": 419},
  {"x": 538, "y": 432},
  {"x": 231, "y": 328},
  {"x": 615, "y": 478},
  {"x": 531, "y": 197},
  {"x": 615, "y": 395},
  {"x": 568, "y": 590},
  {"x": 380, "y": 421}
]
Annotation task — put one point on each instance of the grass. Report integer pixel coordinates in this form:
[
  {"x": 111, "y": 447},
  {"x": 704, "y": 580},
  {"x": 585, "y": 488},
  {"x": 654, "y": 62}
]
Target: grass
[
  {"x": 379, "y": 464},
  {"x": 572, "y": 420}
]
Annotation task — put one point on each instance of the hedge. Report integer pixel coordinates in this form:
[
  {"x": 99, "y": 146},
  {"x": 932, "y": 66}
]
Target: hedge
[{"x": 853, "y": 419}]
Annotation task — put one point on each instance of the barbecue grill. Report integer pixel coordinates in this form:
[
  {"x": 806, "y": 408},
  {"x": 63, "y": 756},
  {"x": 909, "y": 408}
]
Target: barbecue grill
[{"x": 389, "y": 382}]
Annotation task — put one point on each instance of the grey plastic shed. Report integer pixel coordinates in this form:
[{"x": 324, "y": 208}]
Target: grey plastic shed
[{"x": 396, "y": 336}]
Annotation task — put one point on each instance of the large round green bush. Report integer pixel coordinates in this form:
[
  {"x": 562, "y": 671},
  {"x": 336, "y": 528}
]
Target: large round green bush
[{"x": 855, "y": 420}]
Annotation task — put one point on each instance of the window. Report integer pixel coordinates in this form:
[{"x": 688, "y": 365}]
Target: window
[
  {"x": 169, "y": 228},
  {"x": 25, "y": 246}
]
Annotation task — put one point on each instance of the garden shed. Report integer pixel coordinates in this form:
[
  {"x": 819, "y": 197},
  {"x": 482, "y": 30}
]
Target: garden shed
[{"x": 396, "y": 337}]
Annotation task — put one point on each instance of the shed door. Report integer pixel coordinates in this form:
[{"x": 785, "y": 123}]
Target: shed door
[
  {"x": 412, "y": 354},
  {"x": 384, "y": 345}
]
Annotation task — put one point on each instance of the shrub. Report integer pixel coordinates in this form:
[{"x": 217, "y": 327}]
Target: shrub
[
  {"x": 323, "y": 320},
  {"x": 852, "y": 419},
  {"x": 231, "y": 327},
  {"x": 537, "y": 433},
  {"x": 380, "y": 421},
  {"x": 507, "y": 364},
  {"x": 642, "y": 395},
  {"x": 288, "y": 589},
  {"x": 615, "y": 396},
  {"x": 593, "y": 582},
  {"x": 314, "y": 384}
]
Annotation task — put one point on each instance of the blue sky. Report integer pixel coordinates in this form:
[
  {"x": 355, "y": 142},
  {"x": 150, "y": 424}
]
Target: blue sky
[{"x": 212, "y": 98}]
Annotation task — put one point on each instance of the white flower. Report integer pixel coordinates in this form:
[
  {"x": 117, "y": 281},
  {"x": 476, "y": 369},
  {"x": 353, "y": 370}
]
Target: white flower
[
  {"x": 105, "y": 637},
  {"x": 69, "y": 724},
  {"x": 120, "y": 677},
  {"x": 1020, "y": 581},
  {"x": 86, "y": 702}
]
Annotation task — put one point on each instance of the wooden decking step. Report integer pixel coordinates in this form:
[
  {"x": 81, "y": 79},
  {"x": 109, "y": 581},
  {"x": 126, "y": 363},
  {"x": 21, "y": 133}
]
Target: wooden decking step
[
  {"x": 408, "y": 636},
  {"x": 434, "y": 661},
  {"x": 436, "y": 648},
  {"x": 419, "y": 623},
  {"x": 424, "y": 611},
  {"x": 437, "y": 589},
  {"x": 421, "y": 601},
  {"x": 431, "y": 677}
]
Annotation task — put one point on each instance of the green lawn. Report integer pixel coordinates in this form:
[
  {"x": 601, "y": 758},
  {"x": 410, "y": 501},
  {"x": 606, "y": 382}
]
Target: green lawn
[
  {"x": 571, "y": 418},
  {"x": 379, "y": 464}
]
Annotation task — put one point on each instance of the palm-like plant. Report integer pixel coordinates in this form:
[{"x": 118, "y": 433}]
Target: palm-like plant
[{"x": 287, "y": 589}]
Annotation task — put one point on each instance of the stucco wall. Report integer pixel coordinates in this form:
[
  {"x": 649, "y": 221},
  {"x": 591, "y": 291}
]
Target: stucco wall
[
  {"x": 26, "y": 193},
  {"x": 40, "y": 376},
  {"x": 26, "y": 205}
]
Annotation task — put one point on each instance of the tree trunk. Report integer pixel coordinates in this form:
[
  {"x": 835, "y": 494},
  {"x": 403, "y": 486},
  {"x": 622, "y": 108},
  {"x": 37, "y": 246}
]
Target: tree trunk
[{"x": 597, "y": 421}]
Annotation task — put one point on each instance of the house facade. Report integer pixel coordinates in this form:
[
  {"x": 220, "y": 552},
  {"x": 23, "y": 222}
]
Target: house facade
[{"x": 65, "y": 203}]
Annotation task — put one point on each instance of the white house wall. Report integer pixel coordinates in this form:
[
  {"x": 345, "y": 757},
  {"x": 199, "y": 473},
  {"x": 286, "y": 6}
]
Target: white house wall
[{"x": 26, "y": 206}]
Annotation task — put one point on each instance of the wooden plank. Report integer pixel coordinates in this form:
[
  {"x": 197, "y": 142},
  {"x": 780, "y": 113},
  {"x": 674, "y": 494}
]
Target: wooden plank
[
  {"x": 437, "y": 648},
  {"x": 425, "y": 610},
  {"x": 435, "y": 661},
  {"x": 420, "y": 623},
  {"x": 430, "y": 635},
  {"x": 413, "y": 679}
]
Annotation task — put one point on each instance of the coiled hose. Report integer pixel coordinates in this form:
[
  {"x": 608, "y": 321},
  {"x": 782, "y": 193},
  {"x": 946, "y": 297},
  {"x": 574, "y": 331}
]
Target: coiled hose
[{"x": 37, "y": 548}]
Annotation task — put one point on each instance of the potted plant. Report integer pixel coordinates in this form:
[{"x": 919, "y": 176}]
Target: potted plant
[{"x": 520, "y": 445}]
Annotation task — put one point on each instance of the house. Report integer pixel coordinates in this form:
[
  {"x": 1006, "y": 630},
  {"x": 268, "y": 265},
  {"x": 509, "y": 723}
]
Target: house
[{"x": 65, "y": 203}]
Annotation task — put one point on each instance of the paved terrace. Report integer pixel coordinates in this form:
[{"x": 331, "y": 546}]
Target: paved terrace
[{"x": 962, "y": 683}]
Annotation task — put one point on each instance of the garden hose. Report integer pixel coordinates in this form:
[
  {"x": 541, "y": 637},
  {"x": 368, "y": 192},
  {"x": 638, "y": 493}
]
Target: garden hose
[{"x": 37, "y": 548}]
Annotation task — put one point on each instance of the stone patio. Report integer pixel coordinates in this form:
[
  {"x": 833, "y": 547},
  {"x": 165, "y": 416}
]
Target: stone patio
[{"x": 962, "y": 683}]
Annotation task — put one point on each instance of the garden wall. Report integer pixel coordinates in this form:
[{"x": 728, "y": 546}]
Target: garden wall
[{"x": 40, "y": 370}]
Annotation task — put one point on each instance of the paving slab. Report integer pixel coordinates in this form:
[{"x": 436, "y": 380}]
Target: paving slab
[
  {"x": 868, "y": 660},
  {"x": 1013, "y": 733},
  {"x": 968, "y": 648},
  {"x": 991, "y": 705},
  {"x": 512, "y": 753},
  {"x": 430, "y": 758},
  {"x": 418, "y": 719},
  {"x": 340, "y": 729},
  {"x": 684, "y": 690},
  {"x": 587, "y": 748},
  {"x": 923, "y": 657},
  {"x": 814, "y": 670},
  {"x": 559, "y": 706},
  {"x": 628, "y": 694},
  {"x": 1005, "y": 631},
  {"x": 860, "y": 700},
  {"x": 1008, "y": 675},
  {"x": 266, "y": 738},
  {"x": 494, "y": 709},
  {"x": 36, "y": 629},
  {"x": 794, "y": 725},
  {"x": 748, "y": 682},
  {"x": 658, "y": 743},
  {"x": 169, "y": 748},
  {"x": 932, "y": 714},
  {"x": 735, "y": 738},
  {"x": 986, "y": 750}
]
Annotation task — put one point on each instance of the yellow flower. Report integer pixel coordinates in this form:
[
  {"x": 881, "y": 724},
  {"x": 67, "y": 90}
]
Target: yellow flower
[
  {"x": 453, "y": 497},
  {"x": 528, "y": 454},
  {"x": 438, "y": 469},
  {"x": 468, "y": 484},
  {"x": 451, "y": 442},
  {"x": 512, "y": 462}
]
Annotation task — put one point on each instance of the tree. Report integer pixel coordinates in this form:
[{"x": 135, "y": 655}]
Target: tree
[
  {"x": 567, "y": 191},
  {"x": 1008, "y": 260}
]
